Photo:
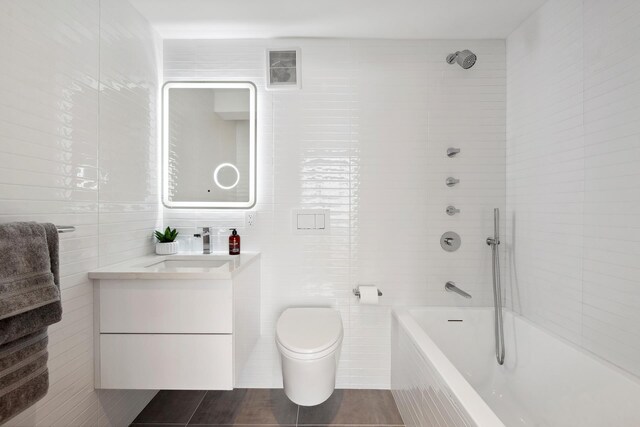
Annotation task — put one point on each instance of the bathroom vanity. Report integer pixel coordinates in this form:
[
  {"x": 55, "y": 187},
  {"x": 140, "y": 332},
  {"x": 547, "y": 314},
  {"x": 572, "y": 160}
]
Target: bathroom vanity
[{"x": 176, "y": 322}]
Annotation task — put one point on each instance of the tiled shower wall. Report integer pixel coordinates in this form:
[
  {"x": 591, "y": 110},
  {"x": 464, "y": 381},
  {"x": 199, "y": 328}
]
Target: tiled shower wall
[
  {"x": 63, "y": 63},
  {"x": 366, "y": 137},
  {"x": 573, "y": 174}
]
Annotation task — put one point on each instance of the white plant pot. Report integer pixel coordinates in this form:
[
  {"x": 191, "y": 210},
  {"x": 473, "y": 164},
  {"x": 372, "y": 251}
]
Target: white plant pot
[{"x": 167, "y": 248}]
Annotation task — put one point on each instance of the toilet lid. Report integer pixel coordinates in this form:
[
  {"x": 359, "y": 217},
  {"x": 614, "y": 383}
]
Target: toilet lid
[{"x": 309, "y": 330}]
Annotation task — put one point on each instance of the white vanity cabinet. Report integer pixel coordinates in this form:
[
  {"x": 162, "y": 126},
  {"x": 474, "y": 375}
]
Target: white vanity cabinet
[{"x": 181, "y": 329}]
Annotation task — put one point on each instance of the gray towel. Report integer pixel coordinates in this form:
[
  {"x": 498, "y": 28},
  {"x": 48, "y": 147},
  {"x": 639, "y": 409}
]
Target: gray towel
[
  {"x": 24, "y": 378},
  {"x": 29, "y": 279}
]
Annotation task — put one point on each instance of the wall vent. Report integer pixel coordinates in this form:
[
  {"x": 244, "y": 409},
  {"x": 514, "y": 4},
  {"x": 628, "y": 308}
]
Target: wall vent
[{"x": 283, "y": 68}]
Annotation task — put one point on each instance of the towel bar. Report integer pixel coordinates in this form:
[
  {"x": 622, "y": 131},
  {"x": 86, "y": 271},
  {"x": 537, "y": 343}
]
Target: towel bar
[{"x": 65, "y": 228}]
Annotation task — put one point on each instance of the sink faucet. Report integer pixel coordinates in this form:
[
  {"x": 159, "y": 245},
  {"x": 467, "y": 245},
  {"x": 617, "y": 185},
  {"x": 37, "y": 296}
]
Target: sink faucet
[{"x": 206, "y": 240}]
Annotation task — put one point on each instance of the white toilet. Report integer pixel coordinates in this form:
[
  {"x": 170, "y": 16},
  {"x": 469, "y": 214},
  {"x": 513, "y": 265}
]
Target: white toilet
[{"x": 309, "y": 341}]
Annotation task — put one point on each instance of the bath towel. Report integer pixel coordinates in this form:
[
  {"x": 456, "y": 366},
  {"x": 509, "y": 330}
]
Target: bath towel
[
  {"x": 24, "y": 378},
  {"x": 29, "y": 279},
  {"x": 29, "y": 303}
]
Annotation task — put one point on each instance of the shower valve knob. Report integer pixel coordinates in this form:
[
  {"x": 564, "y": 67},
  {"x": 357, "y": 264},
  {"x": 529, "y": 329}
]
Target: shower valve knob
[
  {"x": 452, "y": 210},
  {"x": 452, "y": 181},
  {"x": 450, "y": 241},
  {"x": 451, "y": 152}
]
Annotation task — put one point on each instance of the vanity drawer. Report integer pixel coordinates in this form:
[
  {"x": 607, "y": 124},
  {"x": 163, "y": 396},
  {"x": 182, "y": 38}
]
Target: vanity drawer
[
  {"x": 158, "y": 361},
  {"x": 165, "y": 306}
]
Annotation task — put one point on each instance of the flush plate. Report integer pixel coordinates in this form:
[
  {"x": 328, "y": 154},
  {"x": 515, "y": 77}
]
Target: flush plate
[{"x": 310, "y": 221}]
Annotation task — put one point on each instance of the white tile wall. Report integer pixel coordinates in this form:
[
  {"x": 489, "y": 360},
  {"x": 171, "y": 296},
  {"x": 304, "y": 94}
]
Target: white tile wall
[
  {"x": 59, "y": 165},
  {"x": 573, "y": 145},
  {"x": 365, "y": 137},
  {"x": 130, "y": 64},
  {"x": 545, "y": 155}
]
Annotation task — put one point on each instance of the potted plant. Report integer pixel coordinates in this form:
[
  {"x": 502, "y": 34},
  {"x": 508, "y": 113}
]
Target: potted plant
[{"x": 166, "y": 242}]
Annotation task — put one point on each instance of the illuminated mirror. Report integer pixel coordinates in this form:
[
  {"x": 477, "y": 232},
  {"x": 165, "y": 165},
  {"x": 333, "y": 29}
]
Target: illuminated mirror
[{"x": 209, "y": 145}]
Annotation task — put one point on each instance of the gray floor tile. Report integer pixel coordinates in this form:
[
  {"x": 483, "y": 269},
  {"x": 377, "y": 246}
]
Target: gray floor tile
[
  {"x": 170, "y": 407},
  {"x": 353, "y": 407},
  {"x": 250, "y": 407},
  {"x": 219, "y": 407},
  {"x": 268, "y": 407},
  {"x": 157, "y": 425}
]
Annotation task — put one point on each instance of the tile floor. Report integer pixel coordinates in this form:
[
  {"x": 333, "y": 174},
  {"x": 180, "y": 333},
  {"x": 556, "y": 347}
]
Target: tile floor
[{"x": 254, "y": 407}]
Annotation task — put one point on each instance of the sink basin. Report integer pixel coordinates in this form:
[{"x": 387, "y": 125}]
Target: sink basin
[{"x": 199, "y": 265}]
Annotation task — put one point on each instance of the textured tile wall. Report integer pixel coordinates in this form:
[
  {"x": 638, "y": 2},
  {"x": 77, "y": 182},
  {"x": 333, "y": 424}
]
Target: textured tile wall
[
  {"x": 573, "y": 198},
  {"x": 60, "y": 165},
  {"x": 366, "y": 137},
  {"x": 545, "y": 161},
  {"x": 128, "y": 139}
]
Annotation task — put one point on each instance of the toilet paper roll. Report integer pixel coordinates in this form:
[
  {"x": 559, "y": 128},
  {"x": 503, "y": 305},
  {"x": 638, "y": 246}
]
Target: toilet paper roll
[{"x": 368, "y": 294}]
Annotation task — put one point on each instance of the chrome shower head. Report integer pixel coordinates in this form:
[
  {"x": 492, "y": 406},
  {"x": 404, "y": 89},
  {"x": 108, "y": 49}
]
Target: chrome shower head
[{"x": 466, "y": 59}]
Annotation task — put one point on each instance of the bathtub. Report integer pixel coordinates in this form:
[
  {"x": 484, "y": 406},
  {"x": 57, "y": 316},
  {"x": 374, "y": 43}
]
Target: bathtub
[{"x": 444, "y": 373}]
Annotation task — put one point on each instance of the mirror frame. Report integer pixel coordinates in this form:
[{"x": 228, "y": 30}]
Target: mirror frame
[{"x": 252, "y": 142}]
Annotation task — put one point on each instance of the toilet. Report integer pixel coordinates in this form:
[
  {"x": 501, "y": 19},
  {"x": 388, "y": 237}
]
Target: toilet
[{"x": 309, "y": 341}]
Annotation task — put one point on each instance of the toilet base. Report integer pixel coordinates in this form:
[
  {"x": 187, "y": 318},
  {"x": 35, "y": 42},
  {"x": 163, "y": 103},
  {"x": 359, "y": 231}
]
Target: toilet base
[{"x": 309, "y": 382}]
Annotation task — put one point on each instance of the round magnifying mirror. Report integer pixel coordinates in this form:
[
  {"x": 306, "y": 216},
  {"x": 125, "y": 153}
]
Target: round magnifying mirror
[{"x": 226, "y": 176}]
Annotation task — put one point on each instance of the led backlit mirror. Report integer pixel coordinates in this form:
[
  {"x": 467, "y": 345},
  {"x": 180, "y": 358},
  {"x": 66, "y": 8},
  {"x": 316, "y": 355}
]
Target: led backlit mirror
[{"x": 209, "y": 145}]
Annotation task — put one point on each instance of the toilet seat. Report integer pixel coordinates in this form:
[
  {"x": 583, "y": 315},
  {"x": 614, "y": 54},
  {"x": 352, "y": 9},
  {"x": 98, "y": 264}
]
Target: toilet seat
[{"x": 309, "y": 333}]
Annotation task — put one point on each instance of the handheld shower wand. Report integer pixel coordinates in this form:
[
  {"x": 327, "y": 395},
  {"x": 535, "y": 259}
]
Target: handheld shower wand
[{"x": 494, "y": 242}]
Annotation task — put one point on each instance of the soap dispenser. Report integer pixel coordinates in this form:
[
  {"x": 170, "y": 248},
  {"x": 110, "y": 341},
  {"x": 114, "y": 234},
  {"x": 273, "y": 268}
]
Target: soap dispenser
[{"x": 234, "y": 242}]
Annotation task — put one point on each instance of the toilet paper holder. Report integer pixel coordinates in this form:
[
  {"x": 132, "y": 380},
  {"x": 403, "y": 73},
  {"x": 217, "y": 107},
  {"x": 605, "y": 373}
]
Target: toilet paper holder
[{"x": 356, "y": 292}]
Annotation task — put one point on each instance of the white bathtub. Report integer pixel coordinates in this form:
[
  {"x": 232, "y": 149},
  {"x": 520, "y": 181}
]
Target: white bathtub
[{"x": 444, "y": 373}]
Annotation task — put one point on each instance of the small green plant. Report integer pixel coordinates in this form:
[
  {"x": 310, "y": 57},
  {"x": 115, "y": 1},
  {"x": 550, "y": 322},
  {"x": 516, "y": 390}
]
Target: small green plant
[{"x": 168, "y": 236}]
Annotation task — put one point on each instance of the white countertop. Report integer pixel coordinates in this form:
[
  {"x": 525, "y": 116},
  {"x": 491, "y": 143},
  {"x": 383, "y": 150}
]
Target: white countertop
[{"x": 146, "y": 268}]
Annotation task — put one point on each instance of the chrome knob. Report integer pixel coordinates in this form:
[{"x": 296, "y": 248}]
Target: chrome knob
[
  {"x": 451, "y": 152},
  {"x": 492, "y": 241},
  {"x": 452, "y": 210},
  {"x": 452, "y": 181}
]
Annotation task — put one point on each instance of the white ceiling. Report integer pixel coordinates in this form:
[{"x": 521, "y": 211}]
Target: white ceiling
[{"x": 394, "y": 19}]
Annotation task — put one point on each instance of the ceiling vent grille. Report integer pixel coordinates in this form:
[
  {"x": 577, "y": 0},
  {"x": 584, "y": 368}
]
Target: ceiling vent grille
[{"x": 283, "y": 68}]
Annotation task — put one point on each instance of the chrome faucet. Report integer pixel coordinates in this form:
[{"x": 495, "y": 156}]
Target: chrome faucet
[
  {"x": 451, "y": 287},
  {"x": 206, "y": 240}
]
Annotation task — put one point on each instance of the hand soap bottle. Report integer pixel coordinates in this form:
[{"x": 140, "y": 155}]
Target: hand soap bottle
[{"x": 234, "y": 242}]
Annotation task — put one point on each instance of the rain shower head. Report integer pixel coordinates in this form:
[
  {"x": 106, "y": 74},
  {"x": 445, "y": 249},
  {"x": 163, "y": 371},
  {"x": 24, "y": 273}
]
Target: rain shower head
[{"x": 464, "y": 58}]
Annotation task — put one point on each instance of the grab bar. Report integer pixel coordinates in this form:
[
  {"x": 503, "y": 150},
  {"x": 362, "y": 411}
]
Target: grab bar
[{"x": 451, "y": 287}]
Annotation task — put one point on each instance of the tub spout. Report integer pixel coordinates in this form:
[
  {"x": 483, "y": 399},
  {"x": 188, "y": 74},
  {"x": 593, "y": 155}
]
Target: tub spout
[{"x": 451, "y": 287}]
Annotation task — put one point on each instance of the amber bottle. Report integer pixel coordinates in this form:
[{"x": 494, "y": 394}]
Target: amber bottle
[{"x": 234, "y": 242}]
